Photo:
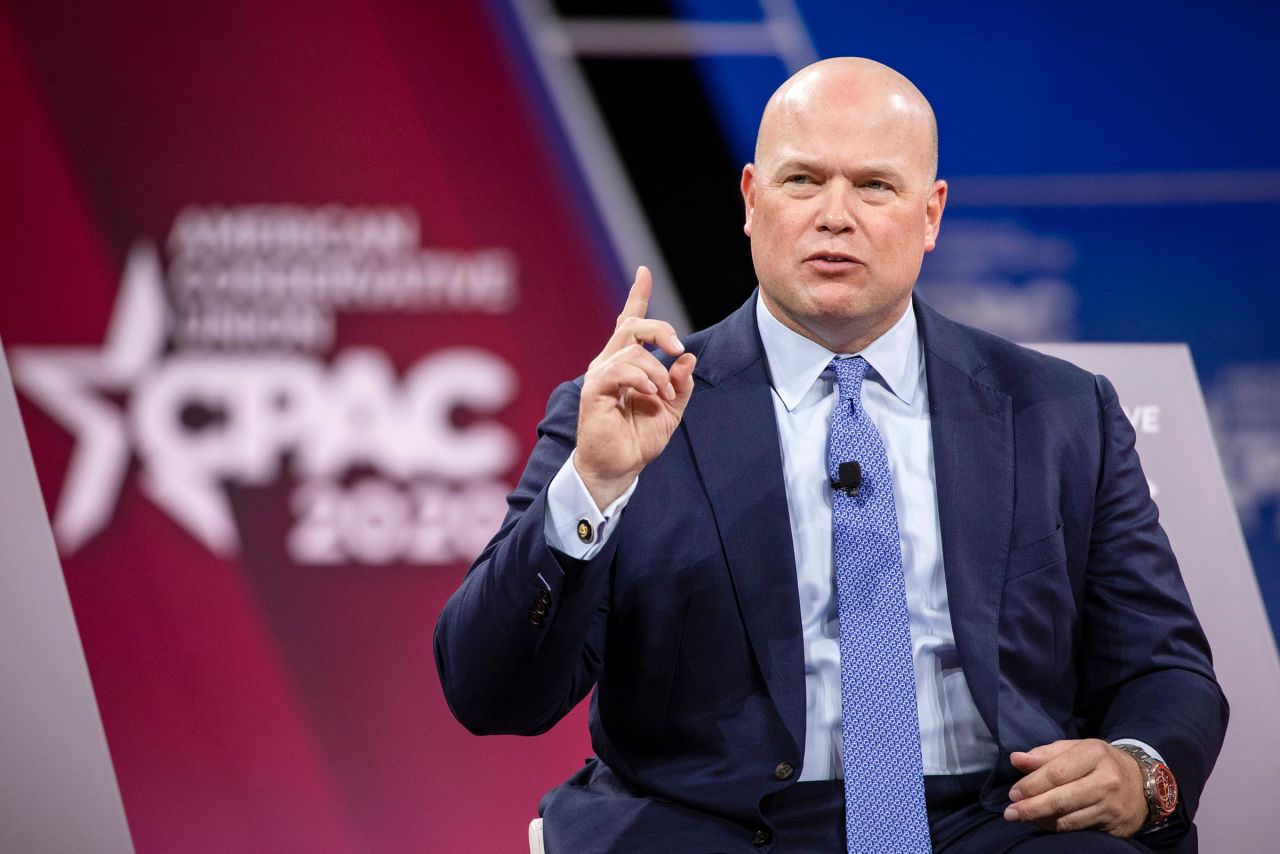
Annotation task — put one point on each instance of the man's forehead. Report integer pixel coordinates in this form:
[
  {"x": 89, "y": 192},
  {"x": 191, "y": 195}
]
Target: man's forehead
[
  {"x": 820, "y": 130},
  {"x": 894, "y": 164},
  {"x": 816, "y": 106},
  {"x": 847, "y": 103}
]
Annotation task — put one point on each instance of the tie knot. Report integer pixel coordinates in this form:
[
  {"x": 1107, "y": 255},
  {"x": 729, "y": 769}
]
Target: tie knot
[{"x": 849, "y": 374}]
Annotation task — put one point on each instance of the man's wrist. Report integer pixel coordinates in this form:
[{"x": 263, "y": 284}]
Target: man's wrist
[
  {"x": 604, "y": 491},
  {"x": 575, "y": 525},
  {"x": 1159, "y": 787},
  {"x": 1148, "y": 749}
]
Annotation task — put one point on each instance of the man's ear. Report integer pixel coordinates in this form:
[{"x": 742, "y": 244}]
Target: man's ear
[
  {"x": 933, "y": 214},
  {"x": 748, "y": 195}
]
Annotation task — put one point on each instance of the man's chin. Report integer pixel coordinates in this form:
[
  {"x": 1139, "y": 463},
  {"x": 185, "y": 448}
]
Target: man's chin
[{"x": 839, "y": 300}]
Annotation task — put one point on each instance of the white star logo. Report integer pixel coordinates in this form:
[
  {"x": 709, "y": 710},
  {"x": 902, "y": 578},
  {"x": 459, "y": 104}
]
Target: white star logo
[{"x": 69, "y": 383}]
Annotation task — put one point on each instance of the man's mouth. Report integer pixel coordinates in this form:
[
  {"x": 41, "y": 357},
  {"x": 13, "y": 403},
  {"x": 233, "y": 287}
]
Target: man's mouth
[{"x": 831, "y": 259}]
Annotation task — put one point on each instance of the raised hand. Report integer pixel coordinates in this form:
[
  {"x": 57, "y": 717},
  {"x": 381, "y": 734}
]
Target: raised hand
[{"x": 631, "y": 404}]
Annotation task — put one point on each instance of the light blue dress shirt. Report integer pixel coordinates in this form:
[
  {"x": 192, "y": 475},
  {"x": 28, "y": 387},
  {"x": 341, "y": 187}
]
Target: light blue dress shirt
[{"x": 953, "y": 737}]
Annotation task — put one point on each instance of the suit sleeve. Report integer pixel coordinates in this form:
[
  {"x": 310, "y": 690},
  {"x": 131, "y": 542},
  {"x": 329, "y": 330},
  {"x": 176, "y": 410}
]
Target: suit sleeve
[
  {"x": 520, "y": 642},
  {"x": 1146, "y": 671}
]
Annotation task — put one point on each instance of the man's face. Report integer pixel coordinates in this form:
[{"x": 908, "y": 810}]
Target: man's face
[{"x": 840, "y": 208}]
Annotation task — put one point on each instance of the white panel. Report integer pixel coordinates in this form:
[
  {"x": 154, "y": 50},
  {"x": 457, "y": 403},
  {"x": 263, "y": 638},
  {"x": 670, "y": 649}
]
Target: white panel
[
  {"x": 57, "y": 788},
  {"x": 1159, "y": 391}
]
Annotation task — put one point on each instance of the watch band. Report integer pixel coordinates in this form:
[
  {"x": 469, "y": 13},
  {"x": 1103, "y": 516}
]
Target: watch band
[{"x": 1158, "y": 785}]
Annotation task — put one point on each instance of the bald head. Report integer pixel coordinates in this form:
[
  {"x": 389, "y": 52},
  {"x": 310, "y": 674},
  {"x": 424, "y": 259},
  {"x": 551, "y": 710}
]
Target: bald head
[
  {"x": 848, "y": 83},
  {"x": 843, "y": 202}
]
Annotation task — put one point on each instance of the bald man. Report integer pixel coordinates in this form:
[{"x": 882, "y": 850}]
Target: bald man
[{"x": 977, "y": 639}]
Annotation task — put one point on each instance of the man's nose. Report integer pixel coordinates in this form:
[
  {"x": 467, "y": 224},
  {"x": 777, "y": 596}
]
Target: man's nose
[{"x": 834, "y": 217}]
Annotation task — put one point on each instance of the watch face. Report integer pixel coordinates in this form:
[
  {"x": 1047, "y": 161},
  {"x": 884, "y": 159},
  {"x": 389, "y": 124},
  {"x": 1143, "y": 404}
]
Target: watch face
[{"x": 1166, "y": 788}]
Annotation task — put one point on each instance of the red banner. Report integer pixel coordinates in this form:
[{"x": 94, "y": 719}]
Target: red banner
[{"x": 286, "y": 287}]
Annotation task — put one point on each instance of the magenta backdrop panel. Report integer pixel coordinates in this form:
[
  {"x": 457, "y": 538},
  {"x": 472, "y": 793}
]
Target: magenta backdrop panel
[{"x": 285, "y": 287}]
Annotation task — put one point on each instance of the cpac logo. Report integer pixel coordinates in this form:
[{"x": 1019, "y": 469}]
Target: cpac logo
[{"x": 200, "y": 419}]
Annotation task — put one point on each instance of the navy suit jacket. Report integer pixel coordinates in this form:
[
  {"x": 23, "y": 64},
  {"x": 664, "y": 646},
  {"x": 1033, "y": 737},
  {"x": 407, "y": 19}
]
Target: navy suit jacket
[{"x": 1070, "y": 616}]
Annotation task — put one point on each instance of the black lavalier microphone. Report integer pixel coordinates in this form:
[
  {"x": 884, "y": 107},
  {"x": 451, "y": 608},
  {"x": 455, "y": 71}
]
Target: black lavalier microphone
[{"x": 850, "y": 478}]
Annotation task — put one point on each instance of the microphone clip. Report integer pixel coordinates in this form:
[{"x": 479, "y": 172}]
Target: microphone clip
[{"x": 849, "y": 479}]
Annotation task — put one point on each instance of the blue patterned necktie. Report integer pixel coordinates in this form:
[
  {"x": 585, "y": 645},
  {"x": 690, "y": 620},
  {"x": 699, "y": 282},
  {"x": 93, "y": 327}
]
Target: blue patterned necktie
[{"x": 883, "y": 776}]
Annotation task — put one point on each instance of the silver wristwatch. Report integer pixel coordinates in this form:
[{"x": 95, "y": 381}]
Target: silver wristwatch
[{"x": 1158, "y": 783}]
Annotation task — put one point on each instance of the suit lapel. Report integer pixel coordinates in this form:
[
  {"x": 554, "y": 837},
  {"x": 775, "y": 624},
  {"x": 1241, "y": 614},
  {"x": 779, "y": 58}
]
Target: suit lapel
[
  {"x": 734, "y": 438},
  {"x": 972, "y": 428}
]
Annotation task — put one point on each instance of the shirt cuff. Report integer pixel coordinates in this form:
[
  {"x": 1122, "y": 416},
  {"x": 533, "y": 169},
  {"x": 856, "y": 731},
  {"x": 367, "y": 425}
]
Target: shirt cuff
[
  {"x": 1142, "y": 744},
  {"x": 574, "y": 526}
]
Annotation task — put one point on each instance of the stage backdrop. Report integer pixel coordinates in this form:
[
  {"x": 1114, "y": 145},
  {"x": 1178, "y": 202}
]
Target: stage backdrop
[{"x": 285, "y": 286}]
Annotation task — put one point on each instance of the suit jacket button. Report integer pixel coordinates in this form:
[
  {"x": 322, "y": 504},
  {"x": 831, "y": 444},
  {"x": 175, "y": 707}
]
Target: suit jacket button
[
  {"x": 535, "y": 618},
  {"x": 784, "y": 771},
  {"x": 539, "y": 607},
  {"x": 761, "y": 837}
]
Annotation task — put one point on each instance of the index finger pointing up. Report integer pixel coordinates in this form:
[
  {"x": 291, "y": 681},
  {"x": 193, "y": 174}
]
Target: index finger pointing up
[{"x": 638, "y": 298}]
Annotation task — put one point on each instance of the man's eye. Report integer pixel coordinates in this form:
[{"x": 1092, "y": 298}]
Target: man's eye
[
  {"x": 799, "y": 179},
  {"x": 876, "y": 185}
]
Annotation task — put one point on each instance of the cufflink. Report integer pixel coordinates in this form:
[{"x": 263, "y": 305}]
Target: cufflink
[{"x": 585, "y": 532}]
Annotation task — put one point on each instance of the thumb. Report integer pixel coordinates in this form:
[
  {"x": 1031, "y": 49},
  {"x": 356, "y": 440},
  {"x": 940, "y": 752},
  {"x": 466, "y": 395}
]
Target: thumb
[{"x": 681, "y": 374}]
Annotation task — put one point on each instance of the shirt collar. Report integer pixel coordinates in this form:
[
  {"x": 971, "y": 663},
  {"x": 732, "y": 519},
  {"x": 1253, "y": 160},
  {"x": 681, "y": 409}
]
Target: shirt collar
[{"x": 796, "y": 362}]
